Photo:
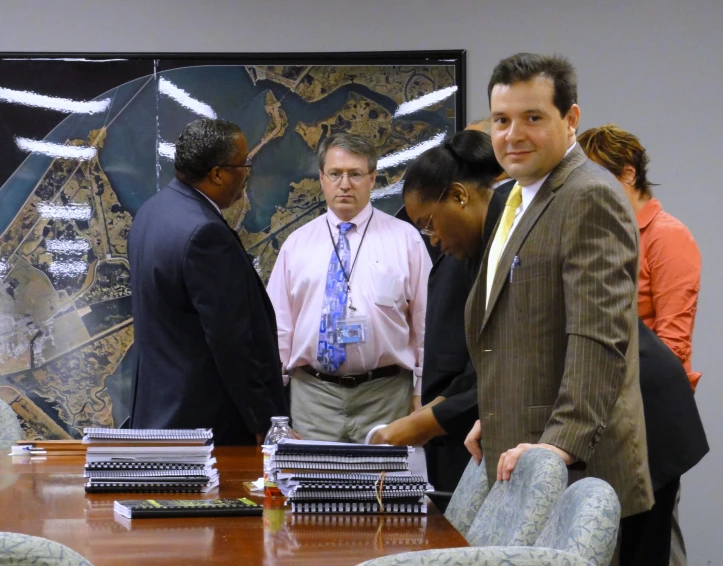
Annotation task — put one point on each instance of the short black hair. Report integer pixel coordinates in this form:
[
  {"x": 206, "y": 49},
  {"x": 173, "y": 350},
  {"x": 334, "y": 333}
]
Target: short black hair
[
  {"x": 466, "y": 157},
  {"x": 203, "y": 145},
  {"x": 526, "y": 66}
]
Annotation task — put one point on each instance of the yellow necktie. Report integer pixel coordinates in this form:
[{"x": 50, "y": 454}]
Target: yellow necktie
[{"x": 498, "y": 244}]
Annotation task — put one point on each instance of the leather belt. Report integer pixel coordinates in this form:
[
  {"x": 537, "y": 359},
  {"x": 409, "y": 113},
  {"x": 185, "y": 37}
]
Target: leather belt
[{"x": 356, "y": 379}]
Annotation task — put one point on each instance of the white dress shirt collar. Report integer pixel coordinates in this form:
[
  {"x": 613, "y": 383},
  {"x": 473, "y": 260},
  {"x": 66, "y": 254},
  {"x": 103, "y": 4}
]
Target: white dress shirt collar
[{"x": 209, "y": 200}]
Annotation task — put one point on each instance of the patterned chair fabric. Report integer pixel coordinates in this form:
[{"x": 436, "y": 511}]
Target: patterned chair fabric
[
  {"x": 467, "y": 499},
  {"x": 10, "y": 428},
  {"x": 584, "y": 522},
  {"x": 483, "y": 556},
  {"x": 24, "y": 550},
  {"x": 516, "y": 510}
]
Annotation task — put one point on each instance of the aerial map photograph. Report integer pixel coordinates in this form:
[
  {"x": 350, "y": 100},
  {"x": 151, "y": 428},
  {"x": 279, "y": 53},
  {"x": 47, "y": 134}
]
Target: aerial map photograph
[{"x": 89, "y": 140}]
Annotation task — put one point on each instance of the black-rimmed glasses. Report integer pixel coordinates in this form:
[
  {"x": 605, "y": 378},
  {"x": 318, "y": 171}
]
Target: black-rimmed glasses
[{"x": 246, "y": 165}]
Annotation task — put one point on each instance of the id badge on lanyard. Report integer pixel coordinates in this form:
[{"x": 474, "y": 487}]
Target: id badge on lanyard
[{"x": 353, "y": 328}]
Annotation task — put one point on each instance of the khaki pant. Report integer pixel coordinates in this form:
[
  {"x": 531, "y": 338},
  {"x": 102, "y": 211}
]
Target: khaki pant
[
  {"x": 677, "y": 544},
  {"x": 327, "y": 411}
]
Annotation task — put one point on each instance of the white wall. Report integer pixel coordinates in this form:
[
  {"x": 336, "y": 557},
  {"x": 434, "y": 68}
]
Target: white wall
[{"x": 652, "y": 66}]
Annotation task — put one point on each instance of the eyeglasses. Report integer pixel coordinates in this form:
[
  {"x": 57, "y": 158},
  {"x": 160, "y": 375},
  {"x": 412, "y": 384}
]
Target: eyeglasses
[
  {"x": 336, "y": 177},
  {"x": 427, "y": 231},
  {"x": 246, "y": 164}
]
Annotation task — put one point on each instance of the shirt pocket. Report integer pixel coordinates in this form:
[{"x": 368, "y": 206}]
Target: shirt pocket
[
  {"x": 525, "y": 280},
  {"x": 387, "y": 288},
  {"x": 533, "y": 271}
]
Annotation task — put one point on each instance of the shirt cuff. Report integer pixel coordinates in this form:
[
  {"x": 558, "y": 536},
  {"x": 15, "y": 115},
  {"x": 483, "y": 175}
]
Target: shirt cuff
[{"x": 417, "y": 384}]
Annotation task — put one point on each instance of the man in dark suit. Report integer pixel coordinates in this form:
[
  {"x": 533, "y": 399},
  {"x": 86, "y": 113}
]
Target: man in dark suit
[
  {"x": 551, "y": 322},
  {"x": 205, "y": 331}
]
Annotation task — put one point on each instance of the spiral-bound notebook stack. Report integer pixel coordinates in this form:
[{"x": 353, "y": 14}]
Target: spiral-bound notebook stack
[
  {"x": 334, "y": 477},
  {"x": 149, "y": 461}
]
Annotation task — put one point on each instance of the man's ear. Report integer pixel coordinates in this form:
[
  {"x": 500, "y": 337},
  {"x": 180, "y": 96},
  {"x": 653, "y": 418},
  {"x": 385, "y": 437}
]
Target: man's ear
[
  {"x": 215, "y": 175},
  {"x": 573, "y": 119}
]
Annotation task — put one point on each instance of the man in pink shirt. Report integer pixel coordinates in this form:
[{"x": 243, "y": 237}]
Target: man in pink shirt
[{"x": 350, "y": 293}]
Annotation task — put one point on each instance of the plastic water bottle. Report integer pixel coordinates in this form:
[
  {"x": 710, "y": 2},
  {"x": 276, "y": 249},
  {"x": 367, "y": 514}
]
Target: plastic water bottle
[{"x": 279, "y": 429}]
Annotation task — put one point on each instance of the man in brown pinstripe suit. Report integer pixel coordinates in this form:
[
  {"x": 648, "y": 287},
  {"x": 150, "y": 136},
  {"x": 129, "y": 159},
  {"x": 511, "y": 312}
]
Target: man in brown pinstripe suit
[{"x": 555, "y": 340}]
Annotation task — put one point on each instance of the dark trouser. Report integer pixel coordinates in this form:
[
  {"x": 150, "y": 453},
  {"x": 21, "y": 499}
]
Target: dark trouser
[
  {"x": 446, "y": 460},
  {"x": 645, "y": 537}
]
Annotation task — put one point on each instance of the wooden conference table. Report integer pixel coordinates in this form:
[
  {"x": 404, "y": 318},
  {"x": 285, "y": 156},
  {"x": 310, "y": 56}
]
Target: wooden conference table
[{"x": 46, "y": 498}]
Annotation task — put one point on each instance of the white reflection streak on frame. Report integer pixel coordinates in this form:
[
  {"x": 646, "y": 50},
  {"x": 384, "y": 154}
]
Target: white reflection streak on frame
[
  {"x": 56, "y": 149},
  {"x": 167, "y": 150},
  {"x": 107, "y": 126},
  {"x": 389, "y": 190},
  {"x": 410, "y": 153},
  {"x": 29, "y": 98},
  {"x": 184, "y": 99},
  {"x": 67, "y": 246},
  {"x": 68, "y": 268},
  {"x": 64, "y": 212},
  {"x": 424, "y": 101}
]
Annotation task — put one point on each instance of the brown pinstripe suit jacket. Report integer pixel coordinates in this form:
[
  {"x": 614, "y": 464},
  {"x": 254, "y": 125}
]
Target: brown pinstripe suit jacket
[{"x": 556, "y": 351}]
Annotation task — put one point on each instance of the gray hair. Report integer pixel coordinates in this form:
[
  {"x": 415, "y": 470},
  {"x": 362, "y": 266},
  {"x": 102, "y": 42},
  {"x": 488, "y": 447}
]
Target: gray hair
[
  {"x": 203, "y": 145},
  {"x": 351, "y": 143}
]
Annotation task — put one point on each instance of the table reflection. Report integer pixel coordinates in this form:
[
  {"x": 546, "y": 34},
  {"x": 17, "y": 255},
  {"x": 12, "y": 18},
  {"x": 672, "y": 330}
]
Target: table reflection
[
  {"x": 116, "y": 537},
  {"x": 300, "y": 539}
]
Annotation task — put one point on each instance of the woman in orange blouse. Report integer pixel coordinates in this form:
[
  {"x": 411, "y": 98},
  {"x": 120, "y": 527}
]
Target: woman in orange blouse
[
  {"x": 669, "y": 279},
  {"x": 669, "y": 257}
]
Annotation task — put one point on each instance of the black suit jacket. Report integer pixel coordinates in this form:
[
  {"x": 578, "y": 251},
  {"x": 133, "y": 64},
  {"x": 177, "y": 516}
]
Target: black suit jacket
[
  {"x": 676, "y": 438},
  {"x": 448, "y": 370},
  {"x": 205, "y": 330}
]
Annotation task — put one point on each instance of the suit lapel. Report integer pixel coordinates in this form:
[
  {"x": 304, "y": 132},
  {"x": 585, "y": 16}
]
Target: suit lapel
[
  {"x": 532, "y": 214},
  {"x": 186, "y": 190},
  {"x": 530, "y": 217}
]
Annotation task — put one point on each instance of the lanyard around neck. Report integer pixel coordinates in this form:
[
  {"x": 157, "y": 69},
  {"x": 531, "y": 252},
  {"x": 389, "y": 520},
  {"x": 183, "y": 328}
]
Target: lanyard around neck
[{"x": 356, "y": 257}]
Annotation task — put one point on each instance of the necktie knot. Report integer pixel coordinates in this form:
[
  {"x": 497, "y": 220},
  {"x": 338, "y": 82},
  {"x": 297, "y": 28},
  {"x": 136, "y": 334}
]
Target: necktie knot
[
  {"x": 344, "y": 227},
  {"x": 515, "y": 198}
]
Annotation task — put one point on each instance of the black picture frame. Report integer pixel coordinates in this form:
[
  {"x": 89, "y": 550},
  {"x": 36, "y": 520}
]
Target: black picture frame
[{"x": 44, "y": 408}]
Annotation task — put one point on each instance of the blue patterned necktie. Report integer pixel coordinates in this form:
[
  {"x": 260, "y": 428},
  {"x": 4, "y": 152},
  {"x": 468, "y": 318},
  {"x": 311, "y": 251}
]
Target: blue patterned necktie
[{"x": 330, "y": 354}]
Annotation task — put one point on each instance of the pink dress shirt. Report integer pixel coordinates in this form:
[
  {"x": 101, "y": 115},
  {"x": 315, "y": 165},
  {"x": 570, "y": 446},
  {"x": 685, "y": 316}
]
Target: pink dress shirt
[{"x": 388, "y": 287}]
